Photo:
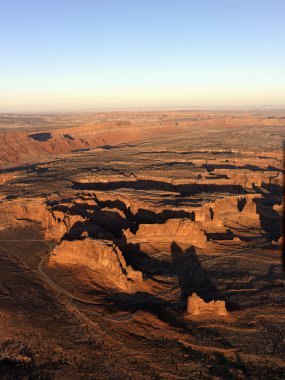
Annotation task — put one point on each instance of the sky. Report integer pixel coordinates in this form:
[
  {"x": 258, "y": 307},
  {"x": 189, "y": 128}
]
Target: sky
[{"x": 85, "y": 55}]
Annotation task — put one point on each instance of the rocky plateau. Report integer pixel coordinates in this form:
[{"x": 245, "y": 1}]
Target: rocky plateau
[{"x": 142, "y": 245}]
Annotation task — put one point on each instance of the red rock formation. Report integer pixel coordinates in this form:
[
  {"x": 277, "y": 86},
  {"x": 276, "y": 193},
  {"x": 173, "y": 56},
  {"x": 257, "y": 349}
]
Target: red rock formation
[
  {"x": 22, "y": 147},
  {"x": 241, "y": 209},
  {"x": 101, "y": 256},
  {"x": 179, "y": 230},
  {"x": 196, "y": 306},
  {"x": 54, "y": 224}
]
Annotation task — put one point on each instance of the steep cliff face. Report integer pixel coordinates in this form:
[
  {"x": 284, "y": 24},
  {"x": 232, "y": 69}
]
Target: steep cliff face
[
  {"x": 109, "y": 217},
  {"x": 54, "y": 223},
  {"x": 21, "y": 146},
  {"x": 13, "y": 211},
  {"x": 58, "y": 223},
  {"x": 241, "y": 209},
  {"x": 180, "y": 230},
  {"x": 101, "y": 256},
  {"x": 248, "y": 179}
]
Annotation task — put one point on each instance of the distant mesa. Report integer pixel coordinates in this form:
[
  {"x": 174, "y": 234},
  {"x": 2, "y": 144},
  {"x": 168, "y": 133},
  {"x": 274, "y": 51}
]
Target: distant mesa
[{"x": 197, "y": 306}]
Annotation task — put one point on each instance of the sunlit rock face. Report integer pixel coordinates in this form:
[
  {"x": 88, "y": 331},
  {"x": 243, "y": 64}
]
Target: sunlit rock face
[
  {"x": 100, "y": 256},
  {"x": 181, "y": 230},
  {"x": 197, "y": 306}
]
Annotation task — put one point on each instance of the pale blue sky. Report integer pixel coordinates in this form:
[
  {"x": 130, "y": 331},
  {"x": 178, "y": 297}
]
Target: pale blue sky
[{"x": 97, "y": 54}]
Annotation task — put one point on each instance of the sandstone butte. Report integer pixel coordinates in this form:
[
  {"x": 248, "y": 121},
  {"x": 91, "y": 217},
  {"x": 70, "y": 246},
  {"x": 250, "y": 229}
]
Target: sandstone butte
[
  {"x": 100, "y": 256},
  {"x": 196, "y": 306}
]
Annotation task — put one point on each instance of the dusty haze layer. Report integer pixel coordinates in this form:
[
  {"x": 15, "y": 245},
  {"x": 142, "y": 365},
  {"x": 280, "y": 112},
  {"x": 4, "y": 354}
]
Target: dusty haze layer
[{"x": 141, "y": 245}]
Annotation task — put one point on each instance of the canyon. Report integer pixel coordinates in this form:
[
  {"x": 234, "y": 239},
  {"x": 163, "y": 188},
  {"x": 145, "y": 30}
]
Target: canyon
[{"x": 142, "y": 245}]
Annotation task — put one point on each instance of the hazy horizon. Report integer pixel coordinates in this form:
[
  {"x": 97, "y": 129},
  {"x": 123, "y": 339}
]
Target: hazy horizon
[
  {"x": 98, "y": 56},
  {"x": 148, "y": 109}
]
